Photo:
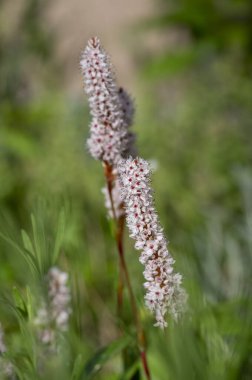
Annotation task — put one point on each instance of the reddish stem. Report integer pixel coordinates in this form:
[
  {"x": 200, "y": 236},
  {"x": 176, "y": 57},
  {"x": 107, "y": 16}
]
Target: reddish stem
[
  {"x": 145, "y": 365},
  {"x": 120, "y": 287}
]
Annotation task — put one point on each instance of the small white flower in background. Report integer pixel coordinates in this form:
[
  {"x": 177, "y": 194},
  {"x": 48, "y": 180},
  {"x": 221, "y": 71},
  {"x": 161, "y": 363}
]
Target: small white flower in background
[
  {"x": 164, "y": 293},
  {"x": 6, "y": 367},
  {"x": 154, "y": 164},
  {"x": 2, "y": 344},
  {"x": 59, "y": 296},
  {"x": 111, "y": 108},
  {"x": 117, "y": 200},
  {"x": 53, "y": 315}
]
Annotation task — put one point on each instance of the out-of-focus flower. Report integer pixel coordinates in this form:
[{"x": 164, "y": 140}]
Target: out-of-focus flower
[
  {"x": 6, "y": 366},
  {"x": 53, "y": 315},
  {"x": 154, "y": 164},
  {"x": 2, "y": 344},
  {"x": 128, "y": 110},
  {"x": 163, "y": 287}
]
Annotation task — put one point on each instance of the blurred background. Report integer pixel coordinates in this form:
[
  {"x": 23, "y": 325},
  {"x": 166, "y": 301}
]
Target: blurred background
[{"x": 188, "y": 65}]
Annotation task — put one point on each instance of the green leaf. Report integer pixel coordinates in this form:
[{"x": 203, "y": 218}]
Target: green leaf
[
  {"x": 37, "y": 242},
  {"x": 77, "y": 368},
  {"x": 29, "y": 303},
  {"x": 131, "y": 371},
  {"x": 27, "y": 242},
  {"x": 94, "y": 365},
  {"x": 31, "y": 261},
  {"x": 59, "y": 235},
  {"x": 19, "y": 301}
]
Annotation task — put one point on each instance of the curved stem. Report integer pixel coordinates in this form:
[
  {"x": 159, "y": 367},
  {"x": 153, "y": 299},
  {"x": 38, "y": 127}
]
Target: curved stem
[
  {"x": 120, "y": 287},
  {"x": 124, "y": 270},
  {"x": 119, "y": 242}
]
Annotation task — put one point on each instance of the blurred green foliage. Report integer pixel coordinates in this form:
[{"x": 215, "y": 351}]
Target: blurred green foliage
[
  {"x": 222, "y": 26},
  {"x": 197, "y": 108},
  {"x": 194, "y": 118}
]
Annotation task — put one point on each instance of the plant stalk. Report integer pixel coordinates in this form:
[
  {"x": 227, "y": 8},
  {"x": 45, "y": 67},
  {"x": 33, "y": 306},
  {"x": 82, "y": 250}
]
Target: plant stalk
[{"x": 123, "y": 270}]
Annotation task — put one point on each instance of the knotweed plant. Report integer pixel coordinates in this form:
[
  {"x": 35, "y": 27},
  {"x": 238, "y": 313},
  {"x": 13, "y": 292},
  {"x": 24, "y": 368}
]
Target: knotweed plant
[
  {"x": 53, "y": 315},
  {"x": 112, "y": 142},
  {"x": 110, "y": 138}
]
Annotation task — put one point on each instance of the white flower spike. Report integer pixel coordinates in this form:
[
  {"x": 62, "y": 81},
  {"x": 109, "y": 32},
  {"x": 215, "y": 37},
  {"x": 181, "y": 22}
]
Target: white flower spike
[
  {"x": 110, "y": 107},
  {"x": 164, "y": 293}
]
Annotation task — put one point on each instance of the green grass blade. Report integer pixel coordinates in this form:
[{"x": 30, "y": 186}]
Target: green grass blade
[{"x": 94, "y": 365}]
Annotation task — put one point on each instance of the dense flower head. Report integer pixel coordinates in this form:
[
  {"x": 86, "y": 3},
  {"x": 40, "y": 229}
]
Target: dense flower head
[
  {"x": 163, "y": 286},
  {"x": 104, "y": 142},
  {"x": 100, "y": 83},
  {"x": 53, "y": 315},
  {"x": 111, "y": 108}
]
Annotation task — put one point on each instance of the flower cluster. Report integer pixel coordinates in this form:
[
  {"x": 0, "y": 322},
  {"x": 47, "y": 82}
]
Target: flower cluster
[
  {"x": 163, "y": 286},
  {"x": 111, "y": 108},
  {"x": 54, "y": 314}
]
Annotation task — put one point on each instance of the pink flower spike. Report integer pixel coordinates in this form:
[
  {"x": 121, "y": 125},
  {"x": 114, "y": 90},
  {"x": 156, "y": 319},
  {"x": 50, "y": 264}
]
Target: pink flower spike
[
  {"x": 111, "y": 108},
  {"x": 164, "y": 293}
]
